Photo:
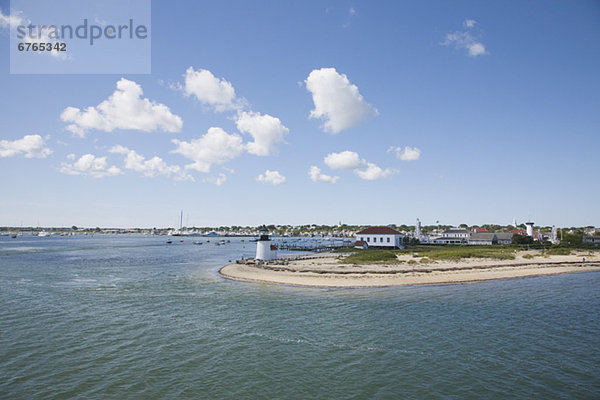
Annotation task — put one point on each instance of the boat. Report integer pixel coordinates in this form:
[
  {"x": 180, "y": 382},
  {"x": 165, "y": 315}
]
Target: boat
[
  {"x": 197, "y": 242},
  {"x": 169, "y": 241},
  {"x": 178, "y": 231},
  {"x": 43, "y": 234}
]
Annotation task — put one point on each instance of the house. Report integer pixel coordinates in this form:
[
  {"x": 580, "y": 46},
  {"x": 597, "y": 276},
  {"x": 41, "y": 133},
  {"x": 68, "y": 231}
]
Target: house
[
  {"x": 504, "y": 237},
  {"x": 456, "y": 233},
  {"x": 360, "y": 244},
  {"x": 453, "y": 236},
  {"x": 591, "y": 240},
  {"x": 485, "y": 238},
  {"x": 380, "y": 236}
]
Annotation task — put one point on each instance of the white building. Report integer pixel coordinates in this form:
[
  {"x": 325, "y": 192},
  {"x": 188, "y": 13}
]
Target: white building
[
  {"x": 379, "y": 236},
  {"x": 554, "y": 239},
  {"x": 529, "y": 226},
  {"x": 484, "y": 238},
  {"x": 453, "y": 236},
  {"x": 418, "y": 230},
  {"x": 265, "y": 249}
]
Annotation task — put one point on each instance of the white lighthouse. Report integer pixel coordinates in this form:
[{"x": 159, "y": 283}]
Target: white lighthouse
[
  {"x": 265, "y": 249},
  {"x": 418, "y": 230},
  {"x": 554, "y": 235},
  {"x": 529, "y": 226}
]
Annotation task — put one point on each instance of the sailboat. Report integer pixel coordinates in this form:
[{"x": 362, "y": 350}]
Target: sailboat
[{"x": 179, "y": 231}]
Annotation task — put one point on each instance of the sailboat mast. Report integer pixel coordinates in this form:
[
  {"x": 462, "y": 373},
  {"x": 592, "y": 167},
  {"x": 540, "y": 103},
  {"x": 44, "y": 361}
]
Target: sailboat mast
[{"x": 181, "y": 220}]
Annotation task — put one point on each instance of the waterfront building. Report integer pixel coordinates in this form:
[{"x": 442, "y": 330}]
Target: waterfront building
[
  {"x": 591, "y": 240},
  {"x": 484, "y": 238},
  {"x": 380, "y": 236},
  {"x": 360, "y": 245},
  {"x": 453, "y": 236},
  {"x": 265, "y": 249},
  {"x": 504, "y": 237},
  {"x": 487, "y": 238}
]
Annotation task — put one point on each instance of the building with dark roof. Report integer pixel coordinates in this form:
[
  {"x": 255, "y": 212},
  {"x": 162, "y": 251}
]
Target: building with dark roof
[
  {"x": 483, "y": 238},
  {"x": 591, "y": 240}
]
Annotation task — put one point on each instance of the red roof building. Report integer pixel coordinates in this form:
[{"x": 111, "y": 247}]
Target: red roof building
[
  {"x": 378, "y": 230},
  {"x": 360, "y": 244}
]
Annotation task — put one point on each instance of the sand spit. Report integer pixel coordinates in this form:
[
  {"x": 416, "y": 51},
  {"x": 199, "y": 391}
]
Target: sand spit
[{"x": 327, "y": 271}]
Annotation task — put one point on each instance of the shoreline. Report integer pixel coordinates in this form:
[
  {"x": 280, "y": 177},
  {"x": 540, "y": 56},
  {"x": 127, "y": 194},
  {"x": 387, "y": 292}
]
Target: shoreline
[{"x": 329, "y": 272}]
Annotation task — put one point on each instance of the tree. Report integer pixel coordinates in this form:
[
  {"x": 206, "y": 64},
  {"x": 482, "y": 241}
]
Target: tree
[{"x": 520, "y": 239}]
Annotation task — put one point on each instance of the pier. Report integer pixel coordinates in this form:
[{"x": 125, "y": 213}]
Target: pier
[{"x": 314, "y": 245}]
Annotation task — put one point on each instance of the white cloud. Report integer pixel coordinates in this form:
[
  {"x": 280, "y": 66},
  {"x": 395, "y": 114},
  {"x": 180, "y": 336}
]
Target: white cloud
[
  {"x": 124, "y": 109},
  {"x": 266, "y": 130},
  {"x": 217, "y": 180},
  {"x": 272, "y": 177},
  {"x": 150, "y": 168},
  {"x": 464, "y": 40},
  {"x": 316, "y": 176},
  {"x": 90, "y": 165},
  {"x": 336, "y": 100},
  {"x": 31, "y": 145},
  {"x": 214, "y": 147},
  {"x": 209, "y": 90},
  {"x": 405, "y": 153},
  {"x": 476, "y": 49},
  {"x": 344, "y": 160},
  {"x": 373, "y": 172},
  {"x": 351, "y": 160},
  {"x": 10, "y": 21}
]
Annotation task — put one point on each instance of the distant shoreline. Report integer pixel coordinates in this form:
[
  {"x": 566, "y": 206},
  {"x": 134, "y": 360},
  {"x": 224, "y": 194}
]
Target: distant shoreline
[{"x": 329, "y": 272}]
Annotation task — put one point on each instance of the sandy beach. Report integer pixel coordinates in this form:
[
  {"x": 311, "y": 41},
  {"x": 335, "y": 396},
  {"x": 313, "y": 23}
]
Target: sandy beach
[{"x": 326, "y": 270}]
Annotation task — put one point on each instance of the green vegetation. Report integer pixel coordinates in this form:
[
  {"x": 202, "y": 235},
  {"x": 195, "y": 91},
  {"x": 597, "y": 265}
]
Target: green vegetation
[
  {"x": 430, "y": 254},
  {"x": 345, "y": 250},
  {"x": 371, "y": 257},
  {"x": 558, "y": 251},
  {"x": 519, "y": 239},
  {"x": 459, "y": 252}
]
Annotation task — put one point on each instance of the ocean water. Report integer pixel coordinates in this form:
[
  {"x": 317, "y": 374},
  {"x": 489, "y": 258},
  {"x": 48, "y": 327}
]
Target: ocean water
[{"x": 132, "y": 317}]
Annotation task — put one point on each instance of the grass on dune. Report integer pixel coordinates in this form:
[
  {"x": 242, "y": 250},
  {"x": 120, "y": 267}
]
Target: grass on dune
[{"x": 434, "y": 253}]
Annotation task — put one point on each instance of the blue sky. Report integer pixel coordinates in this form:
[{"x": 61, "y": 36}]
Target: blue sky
[{"x": 459, "y": 112}]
